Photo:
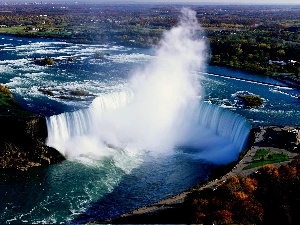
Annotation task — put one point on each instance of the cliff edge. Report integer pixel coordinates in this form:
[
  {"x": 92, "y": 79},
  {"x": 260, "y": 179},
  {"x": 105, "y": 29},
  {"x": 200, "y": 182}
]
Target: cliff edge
[{"x": 22, "y": 136}]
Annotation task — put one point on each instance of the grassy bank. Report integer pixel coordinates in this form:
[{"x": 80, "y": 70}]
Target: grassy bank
[
  {"x": 8, "y": 105},
  {"x": 264, "y": 157}
]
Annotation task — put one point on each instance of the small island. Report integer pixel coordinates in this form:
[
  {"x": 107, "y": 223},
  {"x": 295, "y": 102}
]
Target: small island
[
  {"x": 74, "y": 95},
  {"x": 251, "y": 100},
  {"x": 47, "y": 61}
]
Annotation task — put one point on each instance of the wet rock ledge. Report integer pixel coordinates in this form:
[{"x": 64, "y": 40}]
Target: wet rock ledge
[{"x": 22, "y": 137}]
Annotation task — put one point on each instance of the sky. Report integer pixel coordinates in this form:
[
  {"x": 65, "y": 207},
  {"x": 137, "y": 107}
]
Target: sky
[{"x": 285, "y": 2}]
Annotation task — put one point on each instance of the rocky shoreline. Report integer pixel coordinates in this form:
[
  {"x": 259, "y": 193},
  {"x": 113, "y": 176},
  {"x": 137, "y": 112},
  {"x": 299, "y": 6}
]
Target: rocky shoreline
[{"x": 279, "y": 139}]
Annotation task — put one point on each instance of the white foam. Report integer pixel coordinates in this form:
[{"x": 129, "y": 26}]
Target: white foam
[
  {"x": 283, "y": 93},
  {"x": 161, "y": 114},
  {"x": 134, "y": 57}
]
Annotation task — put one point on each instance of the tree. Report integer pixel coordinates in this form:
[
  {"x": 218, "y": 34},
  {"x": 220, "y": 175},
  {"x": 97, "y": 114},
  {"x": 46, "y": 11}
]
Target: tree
[
  {"x": 223, "y": 216},
  {"x": 281, "y": 53}
]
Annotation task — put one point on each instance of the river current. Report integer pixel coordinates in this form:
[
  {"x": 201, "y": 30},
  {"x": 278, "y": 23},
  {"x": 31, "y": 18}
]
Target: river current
[{"x": 76, "y": 191}]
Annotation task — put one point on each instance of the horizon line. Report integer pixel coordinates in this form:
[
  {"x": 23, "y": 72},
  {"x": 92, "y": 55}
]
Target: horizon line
[{"x": 140, "y": 2}]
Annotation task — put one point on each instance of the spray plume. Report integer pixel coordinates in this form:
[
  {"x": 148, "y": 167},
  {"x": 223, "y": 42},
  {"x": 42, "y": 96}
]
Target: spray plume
[{"x": 153, "y": 114}]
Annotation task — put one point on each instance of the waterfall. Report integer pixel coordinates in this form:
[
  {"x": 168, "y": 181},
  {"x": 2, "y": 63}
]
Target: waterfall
[
  {"x": 158, "y": 113},
  {"x": 65, "y": 126},
  {"x": 222, "y": 133},
  {"x": 225, "y": 123}
]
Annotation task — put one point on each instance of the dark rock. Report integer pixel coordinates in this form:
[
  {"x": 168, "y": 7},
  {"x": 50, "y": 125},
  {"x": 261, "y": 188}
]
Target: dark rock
[
  {"x": 74, "y": 95},
  {"x": 73, "y": 98},
  {"x": 22, "y": 157},
  {"x": 80, "y": 93},
  {"x": 17, "y": 129},
  {"x": 285, "y": 137},
  {"x": 252, "y": 100},
  {"x": 46, "y": 92},
  {"x": 22, "y": 136},
  {"x": 22, "y": 143},
  {"x": 48, "y": 61}
]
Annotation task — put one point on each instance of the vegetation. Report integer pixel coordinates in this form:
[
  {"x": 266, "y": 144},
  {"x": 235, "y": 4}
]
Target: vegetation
[
  {"x": 252, "y": 100},
  {"x": 47, "y": 61},
  {"x": 8, "y": 105},
  {"x": 263, "y": 157},
  {"x": 264, "y": 39},
  {"x": 260, "y": 153},
  {"x": 270, "y": 196},
  {"x": 6, "y": 98}
]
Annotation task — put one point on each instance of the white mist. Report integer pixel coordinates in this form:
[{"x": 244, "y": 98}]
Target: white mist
[
  {"x": 158, "y": 112},
  {"x": 153, "y": 115}
]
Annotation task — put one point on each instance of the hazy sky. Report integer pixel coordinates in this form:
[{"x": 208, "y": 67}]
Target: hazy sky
[
  {"x": 232, "y": 1},
  {"x": 170, "y": 1}
]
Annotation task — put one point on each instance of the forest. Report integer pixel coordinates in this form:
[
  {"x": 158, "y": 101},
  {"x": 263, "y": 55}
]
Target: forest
[
  {"x": 263, "y": 39},
  {"x": 269, "y": 196}
]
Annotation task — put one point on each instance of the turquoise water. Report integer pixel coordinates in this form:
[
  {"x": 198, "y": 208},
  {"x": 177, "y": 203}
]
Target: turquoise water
[
  {"x": 281, "y": 104},
  {"x": 76, "y": 191},
  {"x": 97, "y": 76}
]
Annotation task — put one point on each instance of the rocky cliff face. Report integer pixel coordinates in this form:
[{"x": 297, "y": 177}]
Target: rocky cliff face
[
  {"x": 22, "y": 136},
  {"x": 17, "y": 128},
  {"x": 22, "y": 141}
]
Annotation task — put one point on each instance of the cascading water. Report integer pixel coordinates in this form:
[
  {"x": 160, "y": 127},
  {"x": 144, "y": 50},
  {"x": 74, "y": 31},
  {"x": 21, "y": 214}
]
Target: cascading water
[
  {"x": 135, "y": 146},
  {"x": 71, "y": 125},
  {"x": 233, "y": 128},
  {"x": 159, "y": 112},
  {"x": 113, "y": 136},
  {"x": 151, "y": 113},
  {"x": 225, "y": 123}
]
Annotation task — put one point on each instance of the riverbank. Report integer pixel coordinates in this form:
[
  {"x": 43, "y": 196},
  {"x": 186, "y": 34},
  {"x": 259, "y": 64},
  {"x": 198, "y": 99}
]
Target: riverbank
[
  {"x": 172, "y": 210},
  {"x": 286, "y": 78}
]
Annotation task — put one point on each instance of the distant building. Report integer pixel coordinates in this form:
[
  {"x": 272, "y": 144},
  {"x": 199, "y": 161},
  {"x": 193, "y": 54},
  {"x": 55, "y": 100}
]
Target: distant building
[
  {"x": 280, "y": 63},
  {"x": 292, "y": 61},
  {"x": 32, "y": 29}
]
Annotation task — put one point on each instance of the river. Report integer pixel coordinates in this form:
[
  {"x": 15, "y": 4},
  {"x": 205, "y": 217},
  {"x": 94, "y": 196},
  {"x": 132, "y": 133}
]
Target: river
[{"x": 76, "y": 191}]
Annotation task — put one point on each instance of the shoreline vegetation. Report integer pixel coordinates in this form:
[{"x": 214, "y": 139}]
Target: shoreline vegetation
[
  {"x": 239, "y": 180},
  {"x": 261, "y": 39}
]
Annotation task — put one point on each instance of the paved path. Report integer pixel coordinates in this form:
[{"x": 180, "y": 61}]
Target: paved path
[{"x": 175, "y": 201}]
